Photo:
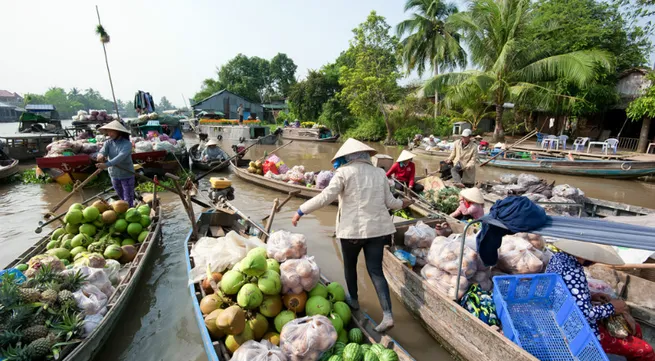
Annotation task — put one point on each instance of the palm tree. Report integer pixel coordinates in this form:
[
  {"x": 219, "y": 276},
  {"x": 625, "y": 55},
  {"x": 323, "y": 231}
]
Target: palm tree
[
  {"x": 496, "y": 32},
  {"x": 430, "y": 39},
  {"x": 470, "y": 106}
]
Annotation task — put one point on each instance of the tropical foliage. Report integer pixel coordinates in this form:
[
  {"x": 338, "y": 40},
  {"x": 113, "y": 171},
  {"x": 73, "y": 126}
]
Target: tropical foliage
[
  {"x": 644, "y": 108},
  {"x": 68, "y": 103}
]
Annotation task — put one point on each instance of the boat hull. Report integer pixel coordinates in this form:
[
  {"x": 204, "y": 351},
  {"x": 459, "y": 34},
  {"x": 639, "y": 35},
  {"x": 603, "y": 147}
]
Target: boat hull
[
  {"x": 307, "y": 134},
  {"x": 9, "y": 168},
  {"x": 432, "y": 153},
  {"x": 604, "y": 169},
  {"x": 199, "y": 164},
  {"x": 239, "y": 133}
]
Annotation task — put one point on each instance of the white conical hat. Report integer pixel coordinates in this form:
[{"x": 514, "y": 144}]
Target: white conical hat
[
  {"x": 472, "y": 195},
  {"x": 353, "y": 146},
  {"x": 594, "y": 252},
  {"x": 405, "y": 155},
  {"x": 212, "y": 142},
  {"x": 115, "y": 125}
]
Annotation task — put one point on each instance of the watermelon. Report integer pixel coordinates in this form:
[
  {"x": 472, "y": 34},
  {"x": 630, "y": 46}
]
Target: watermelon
[
  {"x": 335, "y": 358},
  {"x": 370, "y": 356},
  {"x": 352, "y": 352},
  {"x": 342, "y": 336},
  {"x": 388, "y": 355},
  {"x": 365, "y": 348},
  {"x": 338, "y": 348},
  {"x": 377, "y": 349},
  {"x": 355, "y": 335},
  {"x": 326, "y": 355}
]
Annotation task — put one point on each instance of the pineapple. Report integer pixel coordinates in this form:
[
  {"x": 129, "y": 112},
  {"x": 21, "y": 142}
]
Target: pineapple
[
  {"x": 40, "y": 348},
  {"x": 34, "y": 332},
  {"x": 69, "y": 325},
  {"x": 45, "y": 275},
  {"x": 66, "y": 298},
  {"x": 73, "y": 281},
  {"x": 18, "y": 316},
  {"x": 38, "y": 319},
  {"x": 16, "y": 354},
  {"x": 29, "y": 295},
  {"x": 49, "y": 296},
  {"x": 8, "y": 338},
  {"x": 9, "y": 292}
]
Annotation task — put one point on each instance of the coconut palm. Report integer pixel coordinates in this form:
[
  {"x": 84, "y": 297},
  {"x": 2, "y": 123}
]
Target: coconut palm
[
  {"x": 496, "y": 33},
  {"x": 470, "y": 106},
  {"x": 430, "y": 40}
]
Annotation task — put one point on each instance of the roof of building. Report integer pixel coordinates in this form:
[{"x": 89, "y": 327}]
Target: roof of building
[
  {"x": 275, "y": 106},
  {"x": 5, "y": 105},
  {"x": 219, "y": 93},
  {"x": 40, "y": 107},
  {"x": 6, "y": 93}
]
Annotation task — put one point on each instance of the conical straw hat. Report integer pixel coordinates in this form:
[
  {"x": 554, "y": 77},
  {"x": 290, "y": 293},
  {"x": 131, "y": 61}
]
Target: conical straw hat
[
  {"x": 212, "y": 142},
  {"x": 594, "y": 252},
  {"x": 115, "y": 125},
  {"x": 405, "y": 155},
  {"x": 353, "y": 146},
  {"x": 472, "y": 195}
]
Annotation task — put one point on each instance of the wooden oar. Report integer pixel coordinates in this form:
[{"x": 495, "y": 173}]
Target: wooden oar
[
  {"x": 275, "y": 150},
  {"x": 287, "y": 199},
  {"x": 42, "y": 224},
  {"x": 69, "y": 195},
  {"x": 186, "y": 203},
  {"x": 528, "y": 136},
  {"x": 224, "y": 162},
  {"x": 271, "y": 216}
]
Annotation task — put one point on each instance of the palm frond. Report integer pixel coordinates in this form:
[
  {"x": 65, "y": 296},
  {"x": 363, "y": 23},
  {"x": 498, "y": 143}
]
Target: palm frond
[{"x": 579, "y": 67}]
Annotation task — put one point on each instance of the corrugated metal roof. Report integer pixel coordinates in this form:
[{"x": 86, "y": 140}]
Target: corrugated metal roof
[{"x": 40, "y": 107}]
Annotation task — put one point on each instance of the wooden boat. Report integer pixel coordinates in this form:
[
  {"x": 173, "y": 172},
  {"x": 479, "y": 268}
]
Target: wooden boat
[
  {"x": 433, "y": 153},
  {"x": 310, "y": 134},
  {"x": 592, "y": 168},
  {"x": 216, "y": 223},
  {"x": 229, "y": 130},
  {"x": 118, "y": 303},
  {"x": 28, "y": 146},
  {"x": 199, "y": 164},
  {"x": 241, "y": 172},
  {"x": 8, "y": 167}
]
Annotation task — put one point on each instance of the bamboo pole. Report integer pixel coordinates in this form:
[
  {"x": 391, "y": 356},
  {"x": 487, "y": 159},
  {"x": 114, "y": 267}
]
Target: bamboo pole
[{"x": 111, "y": 83}]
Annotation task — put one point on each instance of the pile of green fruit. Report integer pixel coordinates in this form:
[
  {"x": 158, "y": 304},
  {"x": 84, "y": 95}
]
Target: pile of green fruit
[
  {"x": 352, "y": 348},
  {"x": 246, "y": 303},
  {"x": 39, "y": 316},
  {"x": 109, "y": 231}
]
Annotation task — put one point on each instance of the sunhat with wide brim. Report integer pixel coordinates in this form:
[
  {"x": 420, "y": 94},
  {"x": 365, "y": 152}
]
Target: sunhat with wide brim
[
  {"x": 405, "y": 155},
  {"x": 353, "y": 146},
  {"x": 594, "y": 252},
  {"x": 115, "y": 125},
  {"x": 212, "y": 142},
  {"x": 472, "y": 195}
]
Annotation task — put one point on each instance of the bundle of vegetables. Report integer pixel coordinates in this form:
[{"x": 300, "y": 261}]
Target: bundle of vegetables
[
  {"x": 249, "y": 304},
  {"x": 446, "y": 199}
]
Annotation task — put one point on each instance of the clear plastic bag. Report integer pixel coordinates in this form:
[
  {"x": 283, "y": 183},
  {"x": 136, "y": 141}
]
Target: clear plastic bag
[
  {"x": 221, "y": 253},
  {"x": 113, "y": 268},
  {"x": 600, "y": 286},
  {"x": 299, "y": 275},
  {"x": 309, "y": 177},
  {"x": 444, "y": 254},
  {"x": 419, "y": 235},
  {"x": 567, "y": 191},
  {"x": 444, "y": 282},
  {"x": 421, "y": 255},
  {"x": 509, "y": 178},
  {"x": 90, "y": 324},
  {"x": 307, "y": 338},
  {"x": 91, "y": 300},
  {"x": 258, "y": 351},
  {"x": 323, "y": 179},
  {"x": 142, "y": 146},
  {"x": 96, "y": 277},
  {"x": 518, "y": 256},
  {"x": 284, "y": 245}
]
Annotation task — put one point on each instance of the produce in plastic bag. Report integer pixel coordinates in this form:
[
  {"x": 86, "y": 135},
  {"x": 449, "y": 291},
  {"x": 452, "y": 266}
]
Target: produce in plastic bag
[
  {"x": 170, "y": 148},
  {"x": 91, "y": 300},
  {"x": 536, "y": 240},
  {"x": 113, "y": 268},
  {"x": 323, "y": 179},
  {"x": 296, "y": 176},
  {"x": 509, "y": 178},
  {"x": 299, "y": 275},
  {"x": 221, "y": 253},
  {"x": 517, "y": 256},
  {"x": 419, "y": 235},
  {"x": 600, "y": 286},
  {"x": 567, "y": 191},
  {"x": 258, "y": 351},
  {"x": 444, "y": 254},
  {"x": 284, "y": 245},
  {"x": 444, "y": 282},
  {"x": 309, "y": 177},
  {"x": 536, "y": 197},
  {"x": 142, "y": 146},
  {"x": 307, "y": 338},
  {"x": 89, "y": 148},
  {"x": 526, "y": 180}
]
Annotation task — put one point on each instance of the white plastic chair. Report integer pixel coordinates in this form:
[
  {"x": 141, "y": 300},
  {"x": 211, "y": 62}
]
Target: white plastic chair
[
  {"x": 611, "y": 143},
  {"x": 563, "y": 139},
  {"x": 546, "y": 143},
  {"x": 579, "y": 143}
]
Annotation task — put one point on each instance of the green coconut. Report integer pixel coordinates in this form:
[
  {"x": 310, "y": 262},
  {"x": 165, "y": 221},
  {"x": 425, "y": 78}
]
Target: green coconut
[
  {"x": 336, "y": 320},
  {"x": 113, "y": 251},
  {"x": 249, "y": 296},
  {"x": 74, "y": 216},
  {"x": 57, "y": 233},
  {"x": 88, "y": 229},
  {"x": 259, "y": 326},
  {"x": 90, "y": 214},
  {"x": 78, "y": 206},
  {"x": 75, "y": 251},
  {"x": 53, "y": 244},
  {"x": 132, "y": 215},
  {"x": 253, "y": 265},
  {"x": 271, "y": 305},
  {"x": 133, "y": 229},
  {"x": 273, "y": 265},
  {"x": 343, "y": 310},
  {"x": 78, "y": 240},
  {"x": 282, "y": 319},
  {"x": 318, "y": 305},
  {"x": 257, "y": 250},
  {"x": 145, "y": 221},
  {"x": 232, "y": 281},
  {"x": 232, "y": 320},
  {"x": 269, "y": 283},
  {"x": 144, "y": 210},
  {"x": 72, "y": 228},
  {"x": 120, "y": 225},
  {"x": 319, "y": 290},
  {"x": 233, "y": 342},
  {"x": 61, "y": 253},
  {"x": 142, "y": 236},
  {"x": 336, "y": 292},
  {"x": 128, "y": 242}
]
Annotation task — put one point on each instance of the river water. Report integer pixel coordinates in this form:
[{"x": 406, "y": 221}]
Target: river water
[{"x": 159, "y": 323}]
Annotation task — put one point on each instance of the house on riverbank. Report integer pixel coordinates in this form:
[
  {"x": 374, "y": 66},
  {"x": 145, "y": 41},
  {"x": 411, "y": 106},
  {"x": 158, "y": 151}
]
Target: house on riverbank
[{"x": 227, "y": 103}]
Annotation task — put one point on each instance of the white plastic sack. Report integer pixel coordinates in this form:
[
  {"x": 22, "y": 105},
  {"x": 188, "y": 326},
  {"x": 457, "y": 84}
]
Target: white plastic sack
[
  {"x": 96, "y": 277},
  {"x": 142, "y": 146},
  {"x": 258, "y": 351},
  {"x": 307, "y": 338},
  {"x": 91, "y": 300},
  {"x": 284, "y": 245},
  {"x": 527, "y": 180},
  {"x": 567, "y": 191},
  {"x": 509, "y": 178},
  {"x": 90, "y": 324},
  {"x": 170, "y": 148},
  {"x": 419, "y": 235},
  {"x": 221, "y": 253},
  {"x": 113, "y": 268},
  {"x": 299, "y": 275},
  {"x": 323, "y": 179}
]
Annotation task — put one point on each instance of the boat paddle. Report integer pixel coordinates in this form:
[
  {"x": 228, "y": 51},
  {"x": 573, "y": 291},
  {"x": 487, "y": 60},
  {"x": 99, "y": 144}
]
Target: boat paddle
[
  {"x": 279, "y": 207},
  {"x": 274, "y": 150},
  {"x": 69, "y": 195},
  {"x": 42, "y": 224}
]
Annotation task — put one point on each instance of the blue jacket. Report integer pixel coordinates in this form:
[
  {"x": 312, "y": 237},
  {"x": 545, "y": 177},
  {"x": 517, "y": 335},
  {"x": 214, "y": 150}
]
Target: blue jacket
[{"x": 118, "y": 152}]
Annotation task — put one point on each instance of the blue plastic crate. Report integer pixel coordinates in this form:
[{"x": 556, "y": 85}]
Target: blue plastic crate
[{"x": 538, "y": 313}]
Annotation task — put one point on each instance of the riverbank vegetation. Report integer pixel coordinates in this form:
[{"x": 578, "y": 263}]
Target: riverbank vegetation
[{"x": 504, "y": 60}]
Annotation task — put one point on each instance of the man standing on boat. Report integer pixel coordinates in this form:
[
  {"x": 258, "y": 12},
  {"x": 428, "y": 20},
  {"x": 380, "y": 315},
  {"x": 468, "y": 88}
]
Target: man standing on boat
[
  {"x": 240, "y": 111},
  {"x": 463, "y": 158}
]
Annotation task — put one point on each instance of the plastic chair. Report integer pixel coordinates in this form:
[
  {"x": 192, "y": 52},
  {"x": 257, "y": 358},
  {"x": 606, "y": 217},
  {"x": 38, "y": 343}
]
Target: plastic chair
[
  {"x": 540, "y": 138},
  {"x": 611, "y": 143},
  {"x": 579, "y": 143},
  {"x": 545, "y": 143},
  {"x": 563, "y": 139}
]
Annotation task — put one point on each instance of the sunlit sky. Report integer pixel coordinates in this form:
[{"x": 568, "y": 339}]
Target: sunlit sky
[{"x": 168, "y": 47}]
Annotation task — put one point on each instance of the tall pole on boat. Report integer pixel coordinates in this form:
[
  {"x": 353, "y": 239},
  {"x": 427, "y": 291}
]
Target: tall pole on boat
[{"x": 104, "y": 39}]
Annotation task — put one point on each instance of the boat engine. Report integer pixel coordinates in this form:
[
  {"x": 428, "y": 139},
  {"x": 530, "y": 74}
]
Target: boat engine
[{"x": 221, "y": 188}]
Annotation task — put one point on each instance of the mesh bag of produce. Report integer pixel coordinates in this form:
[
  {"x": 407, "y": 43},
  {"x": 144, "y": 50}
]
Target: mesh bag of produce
[
  {"x": 444, "y": 282},
  {"x": 420, "y": 235},
  {"x": 518, "y": 256},
  {"x": 258, "y": 351},
  {"x": 309, "y": 177},
  {"x": 444, "y": 254},
  {"x": 142, "y": 146},
  {"x": 421, "y": 255},
  {"x": 323, "y": 179},
  {"x": 299, "y": 275},
  {"x": 284, "y": 245},
  {"x": 307, "y": 338}
]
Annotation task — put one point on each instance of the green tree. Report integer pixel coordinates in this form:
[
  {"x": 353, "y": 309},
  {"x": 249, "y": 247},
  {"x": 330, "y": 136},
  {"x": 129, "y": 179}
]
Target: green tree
[
  {"x": 283, "y": 74},
  {"x": 308, "y": 96},
  {"x": 371, "y": 83},
  {"x": 509, "y": 68},
  {"x": 644, "y": 108},
  {"x": 430, "y": 40},
  {"x": 164, "y": 104},
  {"x": 470, "y": 106}
]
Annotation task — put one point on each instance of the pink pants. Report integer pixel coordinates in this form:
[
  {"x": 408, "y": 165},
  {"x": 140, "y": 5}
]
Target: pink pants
[{"x": 632, "y": 348}]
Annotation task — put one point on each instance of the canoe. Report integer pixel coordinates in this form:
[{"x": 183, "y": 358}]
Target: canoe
[
  {"x": 199, "y": 164},
  {"x": 591, "y": 168},
  {"x": 308, "y": 134},
  {"x": 215, "y": 223},
  {"x": 118, "y": 303},
  {"x": 8, "y": 168},
  {"x": 241, "y": 172},
  {"x": 433, "y": 153}
]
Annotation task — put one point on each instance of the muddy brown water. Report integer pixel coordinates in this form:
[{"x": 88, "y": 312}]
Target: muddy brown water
[{"x": 159, "y": 323}]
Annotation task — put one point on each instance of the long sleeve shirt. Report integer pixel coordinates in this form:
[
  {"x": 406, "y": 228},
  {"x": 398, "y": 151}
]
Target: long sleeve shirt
[
  {"x": 212, "y": 153},
  {"x": 474, "y": 210},
  {"x": 572, "y": 273},
  {"x": 403, "y": 174},
  {"x": 118, "y": 152}
]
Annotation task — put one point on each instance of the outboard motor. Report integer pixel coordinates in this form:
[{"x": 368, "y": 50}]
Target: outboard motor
[{"x": 221, "y": 188}]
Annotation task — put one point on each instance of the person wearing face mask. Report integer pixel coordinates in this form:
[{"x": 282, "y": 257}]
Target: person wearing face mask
[
  {"x": 404, "y": 171},
  {"x": 363, "y": 220}
]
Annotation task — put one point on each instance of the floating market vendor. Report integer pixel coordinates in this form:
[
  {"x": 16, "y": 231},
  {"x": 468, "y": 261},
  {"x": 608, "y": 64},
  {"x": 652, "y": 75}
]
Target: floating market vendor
[
  {"x": 471, "y": 204},
  {"x": 296, "y": 124},
  {"x": 463, "y": 158},
  {"x": 117, "y": 151},
  {"x": 404, "y": 170},
  {"x": 212, "y": 152},
  {"x": 570, "y": 263},
  {"x": 363, "y": 221},
  {"x": 286, "y": 123}
]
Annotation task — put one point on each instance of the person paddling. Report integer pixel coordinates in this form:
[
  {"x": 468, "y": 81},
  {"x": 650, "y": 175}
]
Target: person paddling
[
  {"x": 404, "y": 171},
  {"x": 117, "y": 151},
  {"x": 363, "y": 221}
]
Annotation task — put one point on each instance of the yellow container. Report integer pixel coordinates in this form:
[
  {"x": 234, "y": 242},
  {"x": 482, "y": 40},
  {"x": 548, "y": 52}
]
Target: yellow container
[{"x": 220, "y": 182}]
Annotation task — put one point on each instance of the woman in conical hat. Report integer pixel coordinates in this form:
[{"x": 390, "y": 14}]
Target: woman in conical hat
[
  {"x": 404, "y": 171},
  {"x": 471, "y": 204},
  {"x": 363, "y": 221},
  {"x": 569, "y": 263},
  {"x": 117, "y": 152}
]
